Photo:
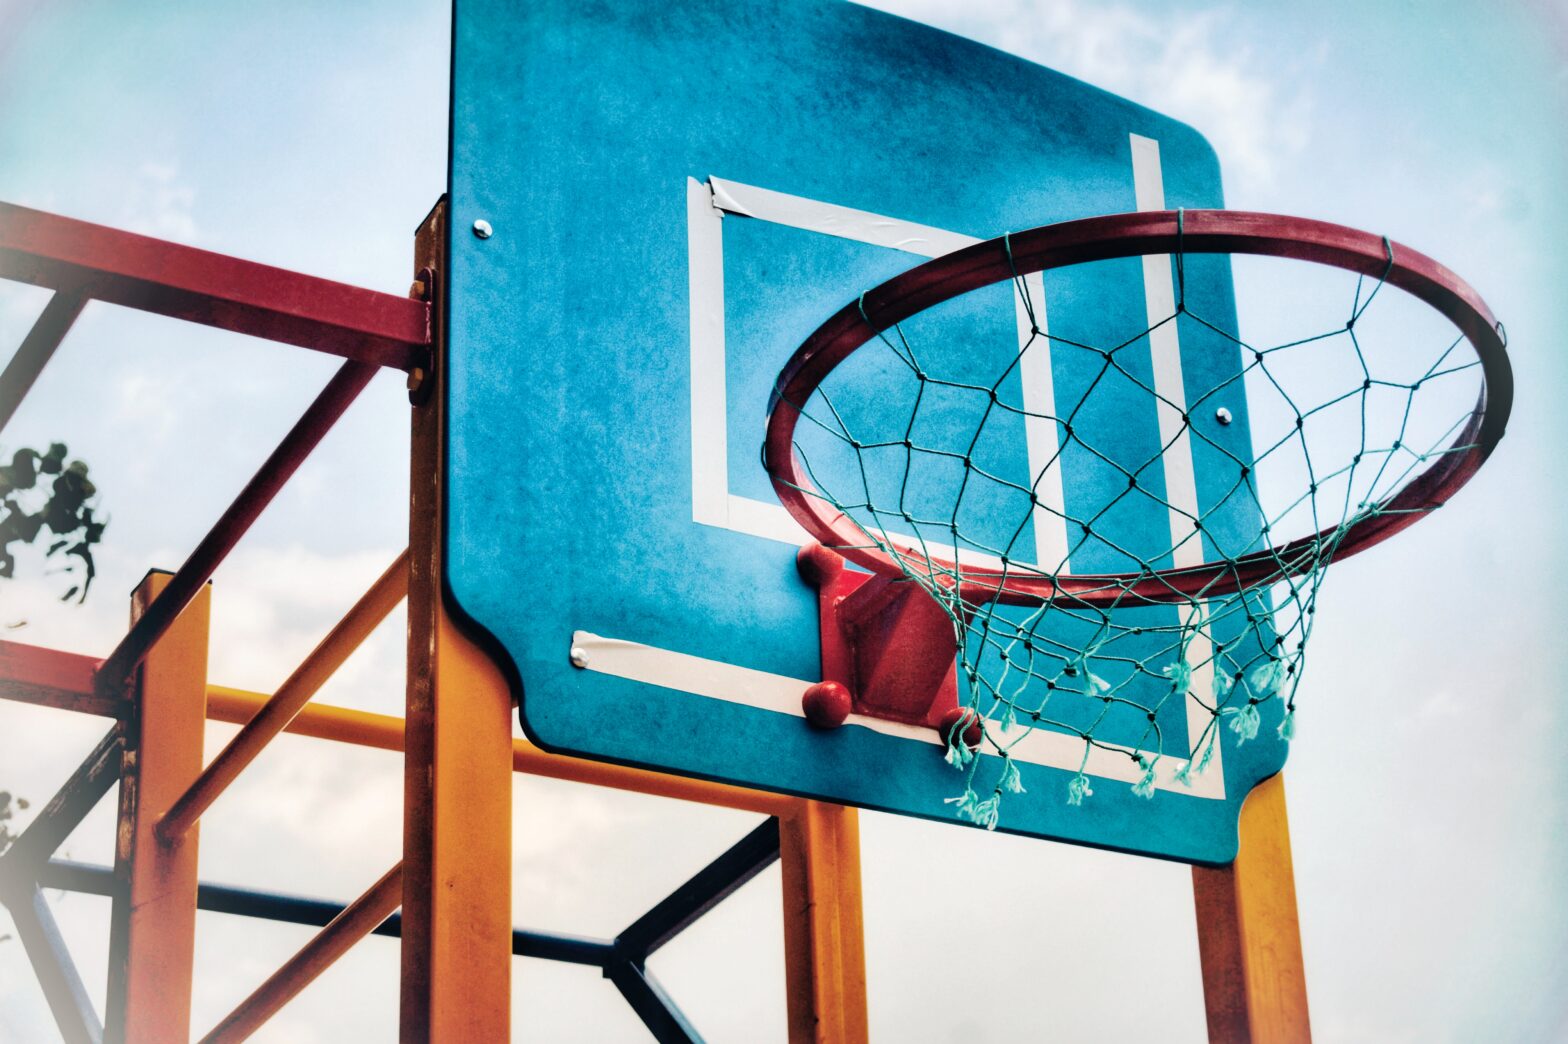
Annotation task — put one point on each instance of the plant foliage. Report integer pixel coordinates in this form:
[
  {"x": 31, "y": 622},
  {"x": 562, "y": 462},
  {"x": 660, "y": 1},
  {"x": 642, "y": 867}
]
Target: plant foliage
[{"x": 66, "y": 509}]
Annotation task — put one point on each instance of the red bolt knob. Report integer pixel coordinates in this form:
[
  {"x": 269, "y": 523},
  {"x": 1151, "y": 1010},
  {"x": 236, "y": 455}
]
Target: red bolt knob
[
  {"x": 826, "y": 704},
  {"x": 818, "y": 566},
  {"x": 972, "y": 732}
]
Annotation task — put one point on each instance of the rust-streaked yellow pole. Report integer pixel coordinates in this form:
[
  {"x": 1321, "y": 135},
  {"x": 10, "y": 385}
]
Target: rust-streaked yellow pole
[
  {"x": 152, "y": 931},
  {"x": 457, "y": 793},
  {"x": 824, "y": 935},
  {"x": 1249, "y": 939}
]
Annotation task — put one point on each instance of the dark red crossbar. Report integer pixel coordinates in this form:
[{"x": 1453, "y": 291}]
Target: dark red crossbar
[
  {"x": 82, "y": 261},
  {"x": 50, "y": 678},
  {"x": 212, "y": 289}
]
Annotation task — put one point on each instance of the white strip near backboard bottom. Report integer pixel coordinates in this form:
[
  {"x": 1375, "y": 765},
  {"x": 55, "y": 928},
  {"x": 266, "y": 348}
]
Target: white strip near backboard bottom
[{"x": 781, "y": 695}]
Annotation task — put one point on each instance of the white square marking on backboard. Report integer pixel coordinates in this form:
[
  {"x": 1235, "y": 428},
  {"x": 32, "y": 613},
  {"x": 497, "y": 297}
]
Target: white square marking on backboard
[
  {"x": 712, "y": 502},
  {"x": 714, "y": 505}
]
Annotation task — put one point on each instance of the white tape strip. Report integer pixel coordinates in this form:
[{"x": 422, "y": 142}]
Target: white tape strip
[
  {"x": 781, "y": 695},
  {"x": 830, "y": 219}
]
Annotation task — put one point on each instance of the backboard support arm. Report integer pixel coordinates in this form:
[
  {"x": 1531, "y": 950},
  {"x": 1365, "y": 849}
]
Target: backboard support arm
[
  {"x": 457, "y": 798},
  {"x": 1249, "y": 938}
]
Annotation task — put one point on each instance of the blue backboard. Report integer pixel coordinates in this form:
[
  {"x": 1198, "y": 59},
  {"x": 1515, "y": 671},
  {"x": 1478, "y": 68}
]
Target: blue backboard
[{"x": 678, "y": 197}]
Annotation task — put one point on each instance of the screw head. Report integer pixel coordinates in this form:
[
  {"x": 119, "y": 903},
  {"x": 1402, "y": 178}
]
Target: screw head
[
  {"x": 482, "y": 229},
  {"x": 579, "y": 657},
  {"x": 1222, "y": 415}
]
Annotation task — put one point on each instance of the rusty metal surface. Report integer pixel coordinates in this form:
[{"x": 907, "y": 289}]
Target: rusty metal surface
[
  {"x": 457, "y": 799},
  {"x": 98, "y": 772},
  {"x": 152, "y": 933}
]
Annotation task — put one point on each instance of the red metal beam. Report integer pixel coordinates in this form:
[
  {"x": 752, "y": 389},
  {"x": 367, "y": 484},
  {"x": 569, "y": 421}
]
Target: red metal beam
[
  {"x": 212, "y": 289},
  {"x": 51, "y": 678}
]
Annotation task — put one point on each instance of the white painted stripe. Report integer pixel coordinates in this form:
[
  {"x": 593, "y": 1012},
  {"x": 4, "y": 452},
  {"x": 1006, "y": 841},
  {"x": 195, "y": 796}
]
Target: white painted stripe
[
  {"x": 781, "y": 695},
  {"x": 767, "y": 520},
  {"x": 732, "y": 197},
  {"x": 1181, "y": 483},
  {"x": 693, "y": 674},
  {"x": 773, "y": 522},
  {"x": 1039, "y": 401},
  {"x": 1200, "y": 651},
  {"x": 712, "y": 503},
  {"x": 709, "y": 437}
]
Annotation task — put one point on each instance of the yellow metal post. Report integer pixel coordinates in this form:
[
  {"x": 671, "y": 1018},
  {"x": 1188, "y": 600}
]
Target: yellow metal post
[
  {"x": 824, "y": 940},
  {"x": 1249, "y": 940},
  {"x": 457, "y": 811},
  {"x": 152, "y": 932}
]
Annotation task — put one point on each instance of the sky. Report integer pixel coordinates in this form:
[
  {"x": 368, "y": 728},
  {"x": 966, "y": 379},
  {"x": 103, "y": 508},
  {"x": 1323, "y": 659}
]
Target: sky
[{"x": 1427, "y": 792}]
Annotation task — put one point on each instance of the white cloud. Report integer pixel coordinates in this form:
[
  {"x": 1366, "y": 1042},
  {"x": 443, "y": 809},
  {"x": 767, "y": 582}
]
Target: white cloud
[
  {"x": 272, "y": 605},
  {"x": 157, "y": 201},
  {"x": 141, "y": 404},
  {"x": 1258, "y": 116}
]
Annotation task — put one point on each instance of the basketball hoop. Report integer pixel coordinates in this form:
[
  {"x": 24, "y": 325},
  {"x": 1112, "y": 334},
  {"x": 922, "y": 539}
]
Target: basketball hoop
[{"x": 933, "y": 612}]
